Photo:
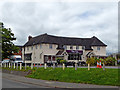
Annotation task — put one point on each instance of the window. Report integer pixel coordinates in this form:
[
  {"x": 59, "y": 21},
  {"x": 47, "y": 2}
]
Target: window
[
  {"x": 83, "y": 47},
  {"x": 71, "y": 47},
  {"x": 74, "y": 56},
  {"x": 77, "y": 47},
  {"x": 50, "y": 46},
  {"x": 65, "y": 47},
  {"x": 32, "y": 48},
  {"x": 36, "y": 46},
  {"x": 28, "y": 48},
  {"x": 98, "y": 48},
  {"x": 40, "y": 45},
  {"x": 28, "y": 57}
]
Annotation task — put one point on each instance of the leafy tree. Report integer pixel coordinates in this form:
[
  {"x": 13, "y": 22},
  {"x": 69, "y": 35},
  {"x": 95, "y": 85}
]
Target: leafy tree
[
  {"x": 90, "y": 61},
  {"x": 7, "y": 45}
]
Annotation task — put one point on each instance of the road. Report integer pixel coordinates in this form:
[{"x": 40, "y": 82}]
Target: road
[
  {"x": 15, "y": 81},
  {"x": 7, "y": 83}
]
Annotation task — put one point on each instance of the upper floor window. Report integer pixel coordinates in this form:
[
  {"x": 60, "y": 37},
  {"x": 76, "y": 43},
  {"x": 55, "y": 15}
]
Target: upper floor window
[
  {"x": 50, "y": 46},
  {"x": 98, "y": 48},
  {"x": 83, "y": 47},
  {"x": 36, "y": 46},
  {"x": 40, "y": 45},
  {"x": 65, "y": 47},
  {"x": 71, "y": 47},
  {"x": 77, "y": 47},
  {"x": 32, "y": 48},
  {"x": 28, "y": 48}
]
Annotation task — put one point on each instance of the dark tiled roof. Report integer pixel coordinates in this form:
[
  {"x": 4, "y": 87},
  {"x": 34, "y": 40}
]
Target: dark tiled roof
[
  {"x": 60, "y": 52},
  {"x": 45, "y": 38}
]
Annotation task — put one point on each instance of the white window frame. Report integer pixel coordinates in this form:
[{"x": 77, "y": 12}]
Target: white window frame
[
  {"x": 65, "y": 47},
  {"x": 83, "y": 47},
  {"x": 31, "y": 47},
  {"x": 77, "y": 47},
  {"x": 50, "y": 46},
  {"x": 98, "y": 48},
  {"x": 40, "y": 46},
  {"x": 36, "y": 46}
]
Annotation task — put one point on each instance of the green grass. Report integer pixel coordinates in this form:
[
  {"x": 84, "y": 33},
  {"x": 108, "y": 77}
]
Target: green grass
[
  {"x": 15, "y": 69},
  {"x": 81, "y": 75}
]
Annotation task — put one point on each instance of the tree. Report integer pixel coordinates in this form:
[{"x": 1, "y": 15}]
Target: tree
[
  {"x": 90, "y": 61},
  {"x": 8, "y": 48}
]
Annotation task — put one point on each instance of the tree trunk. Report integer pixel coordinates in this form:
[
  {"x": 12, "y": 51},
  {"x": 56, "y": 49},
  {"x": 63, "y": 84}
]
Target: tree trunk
[
  {"x": 88, "y": 66},
  {"x": 103, "y": 66}
]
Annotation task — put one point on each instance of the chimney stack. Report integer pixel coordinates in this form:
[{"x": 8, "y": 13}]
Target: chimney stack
[{"x": 29, "y": 38}]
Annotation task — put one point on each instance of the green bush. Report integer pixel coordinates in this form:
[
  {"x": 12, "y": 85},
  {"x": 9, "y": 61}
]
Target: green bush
[{"x": 63, "y": 61}]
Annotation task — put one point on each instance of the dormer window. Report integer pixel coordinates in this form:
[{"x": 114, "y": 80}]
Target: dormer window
[
  {"x": 28, "y": 48},
  {"x": 71, "y": 47},
  {"x": 83, "y": 47},
  {"x": 98, "y": 48},
  {"x": 50, "y": 46},
  {"x": 36, "y": 46},
  {"x": 65, "y": 47},
  {"x": 32, "y": 48},
  {"x": 77, "y": 47}
]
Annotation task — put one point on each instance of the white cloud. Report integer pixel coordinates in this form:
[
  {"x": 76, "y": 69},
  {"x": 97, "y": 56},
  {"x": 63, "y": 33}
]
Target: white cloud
[{"x": 78, "y": 19}]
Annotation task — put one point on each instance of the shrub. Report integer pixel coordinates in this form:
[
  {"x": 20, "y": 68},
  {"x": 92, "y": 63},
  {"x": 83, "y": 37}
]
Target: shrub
[{"x": 63, "y": 61}]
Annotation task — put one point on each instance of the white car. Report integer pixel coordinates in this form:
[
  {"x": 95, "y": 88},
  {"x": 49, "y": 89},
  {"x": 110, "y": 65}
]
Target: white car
[{"x": 6, "y": 61}]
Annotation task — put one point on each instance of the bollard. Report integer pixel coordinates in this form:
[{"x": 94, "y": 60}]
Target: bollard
[
  {"x": 116, "y": 63},
  {"x": 88, "y": 66},
  {"x": 53, "y": 65},
  {"x": 63, "y": 66},
  {"x": 31, "y": 65},
  {"x": 45, "y": 66},
  {"x": 14, "y": 65},
  {"x": 5, "y": 64},
  {"x": 75, "y": 66},
  {"x": 17, "y": 65},
  {"x": 9, "y": 65},
  {"x": 1, "y": 64},
  {"x": 20, "y": 66}
]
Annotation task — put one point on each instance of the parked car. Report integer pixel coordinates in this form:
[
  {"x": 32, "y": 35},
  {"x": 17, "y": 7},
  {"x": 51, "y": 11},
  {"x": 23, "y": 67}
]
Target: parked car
[
  {"x": 16, "y": 59},
  {"x": 6, "y": 60}
]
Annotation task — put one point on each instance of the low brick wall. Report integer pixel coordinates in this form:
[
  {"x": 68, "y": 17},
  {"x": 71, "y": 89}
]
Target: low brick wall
[{"x": 20, "y": 73}]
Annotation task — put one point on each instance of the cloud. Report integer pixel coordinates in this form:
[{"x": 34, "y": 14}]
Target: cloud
[{"x": 62, "y": 18}]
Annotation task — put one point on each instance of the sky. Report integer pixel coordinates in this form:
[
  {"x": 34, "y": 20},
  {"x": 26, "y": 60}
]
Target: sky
[{"x": 69, "y": 19}]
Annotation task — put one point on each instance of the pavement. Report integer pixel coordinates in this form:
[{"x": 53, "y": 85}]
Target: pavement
[
  {"x": 47, "y": 84},
  {"x": 114, "y": 67}
]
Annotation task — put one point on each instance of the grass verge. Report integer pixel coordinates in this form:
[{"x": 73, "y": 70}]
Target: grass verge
[{"x": 81, "y": 75}]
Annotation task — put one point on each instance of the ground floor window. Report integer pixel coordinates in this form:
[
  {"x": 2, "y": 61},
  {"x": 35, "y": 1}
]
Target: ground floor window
[
  {"x": 75, "y": 56},
  {"x": 28, "y": 57}
]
